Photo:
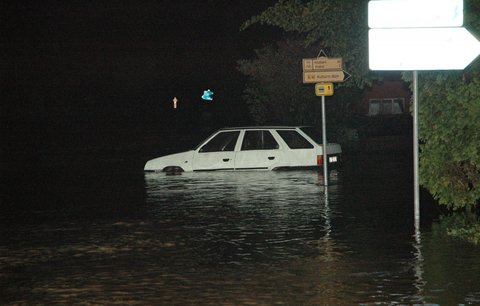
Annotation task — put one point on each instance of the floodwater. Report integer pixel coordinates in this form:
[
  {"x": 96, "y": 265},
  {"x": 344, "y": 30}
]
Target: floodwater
[{"x": 114, "y": 236}]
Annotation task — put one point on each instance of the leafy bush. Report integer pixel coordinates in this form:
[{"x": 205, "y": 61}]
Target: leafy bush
[
  {"x": 449, "y": 127},
  {"x": 463, "y": 226}
]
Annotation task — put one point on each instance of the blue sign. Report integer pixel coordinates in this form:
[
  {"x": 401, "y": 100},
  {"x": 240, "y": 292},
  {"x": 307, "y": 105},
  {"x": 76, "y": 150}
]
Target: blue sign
[{"x": 207, "y": 95}]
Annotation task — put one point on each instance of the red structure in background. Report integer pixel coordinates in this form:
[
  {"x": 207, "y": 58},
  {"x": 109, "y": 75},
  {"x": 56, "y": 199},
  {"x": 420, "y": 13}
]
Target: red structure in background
[
  {"x": 382, "y": 116},
  {"x": 385, "y": 97}
]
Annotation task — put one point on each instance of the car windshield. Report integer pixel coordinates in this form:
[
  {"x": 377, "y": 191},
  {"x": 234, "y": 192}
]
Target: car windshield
[
  {"x": 313, "y": 133},
  {"x": 204, "y": 140},
  {"x": 223, "y": 141}
]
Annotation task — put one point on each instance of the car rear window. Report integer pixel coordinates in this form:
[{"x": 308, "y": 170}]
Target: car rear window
[
  {"x": 313, "y": 133},
  {"x": 294, "y": 140}
]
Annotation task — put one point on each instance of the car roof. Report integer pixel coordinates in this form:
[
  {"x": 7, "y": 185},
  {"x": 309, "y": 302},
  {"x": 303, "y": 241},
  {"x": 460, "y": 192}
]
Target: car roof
[{"x": 263, "y": 127}]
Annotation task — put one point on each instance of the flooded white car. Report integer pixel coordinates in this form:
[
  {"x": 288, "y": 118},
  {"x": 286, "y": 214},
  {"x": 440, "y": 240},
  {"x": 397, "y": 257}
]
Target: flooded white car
[{"x": 251, "y": 148}]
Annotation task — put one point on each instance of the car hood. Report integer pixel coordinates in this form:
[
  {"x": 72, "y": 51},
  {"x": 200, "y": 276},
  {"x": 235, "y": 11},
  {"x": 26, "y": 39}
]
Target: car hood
[{"x": 182, "y": 160}]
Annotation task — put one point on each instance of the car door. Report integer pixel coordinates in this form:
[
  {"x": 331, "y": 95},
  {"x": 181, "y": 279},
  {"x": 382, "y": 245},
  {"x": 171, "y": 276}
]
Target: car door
[
  {"x": 259, "y": 151},
  {"x": 218, "y": 153},
  {"x": 300, "y": 152}
]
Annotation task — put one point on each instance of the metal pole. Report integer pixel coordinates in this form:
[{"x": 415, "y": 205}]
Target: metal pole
[
  {"x": 324, "y": 144},
  {"x": 415, "y": 151}
]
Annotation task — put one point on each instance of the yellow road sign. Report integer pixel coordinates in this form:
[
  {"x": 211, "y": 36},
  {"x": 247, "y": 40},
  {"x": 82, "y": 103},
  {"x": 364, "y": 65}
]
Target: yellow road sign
[{"x": 324, "y": 89}]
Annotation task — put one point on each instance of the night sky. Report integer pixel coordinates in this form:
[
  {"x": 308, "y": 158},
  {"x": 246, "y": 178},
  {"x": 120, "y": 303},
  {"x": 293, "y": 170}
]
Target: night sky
[
  {"x": 69, "y": 65},
  {"x": 135, "y": 48}
]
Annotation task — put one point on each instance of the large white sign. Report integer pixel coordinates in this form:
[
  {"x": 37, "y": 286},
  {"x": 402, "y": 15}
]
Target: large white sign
[
  {"x": 419, "y": 35},
  {"x": 421, "y": 49},
  {"x": 415, "y": 13}
]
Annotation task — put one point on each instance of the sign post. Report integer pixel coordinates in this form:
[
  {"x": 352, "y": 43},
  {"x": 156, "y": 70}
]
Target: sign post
[
  {"x": 322, "y": 90},
  {"x": 416, "y": 195},
  {"x": 324, "y": 143},
  {"x": 415, "y": 35},
  {"x": 323, "y": 71}
]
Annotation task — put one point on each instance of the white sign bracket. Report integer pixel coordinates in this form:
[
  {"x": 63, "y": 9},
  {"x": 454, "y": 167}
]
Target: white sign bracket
[
  {"x": 320, "y": 54},
  {"x": 348, "y": 75}
]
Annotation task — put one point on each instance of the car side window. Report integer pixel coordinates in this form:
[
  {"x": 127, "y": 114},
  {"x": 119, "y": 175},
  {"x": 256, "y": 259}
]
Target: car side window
[
  {"x": 259, "y": 140},
  {"x": 294, "y": 140},
  {"x": 223, "y": 141}
]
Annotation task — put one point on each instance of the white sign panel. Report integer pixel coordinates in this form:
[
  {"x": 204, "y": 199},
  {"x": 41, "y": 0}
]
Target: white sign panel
[
  {"x": 415, "y": 13},
  {"x": 421, "y": 48}
]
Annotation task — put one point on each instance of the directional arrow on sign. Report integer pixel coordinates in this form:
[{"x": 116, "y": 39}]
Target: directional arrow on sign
[{"x": 421, "y": 48}]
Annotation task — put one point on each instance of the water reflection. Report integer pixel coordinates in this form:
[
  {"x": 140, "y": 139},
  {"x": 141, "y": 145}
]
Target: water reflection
[
  {"x": 418, "y": 263},
  {"x": 283, "y": 229},
  {"x": 252, "y": 238},
  {"x": 265, "y": 231},
  {"x": 239, "y": 217}
]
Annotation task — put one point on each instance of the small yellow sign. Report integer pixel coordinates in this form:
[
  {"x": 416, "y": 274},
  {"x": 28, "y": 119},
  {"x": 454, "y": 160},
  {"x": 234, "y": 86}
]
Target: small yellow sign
[{"x": 324, "y": 89}]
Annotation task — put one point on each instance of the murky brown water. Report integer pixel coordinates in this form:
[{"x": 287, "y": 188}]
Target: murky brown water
[{"x": 250, "y": 238}]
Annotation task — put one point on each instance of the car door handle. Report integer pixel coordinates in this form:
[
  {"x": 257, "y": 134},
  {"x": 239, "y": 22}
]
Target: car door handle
[
  {"x": 226, "y": 159},
  {"x": 271, "y": 157}
]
